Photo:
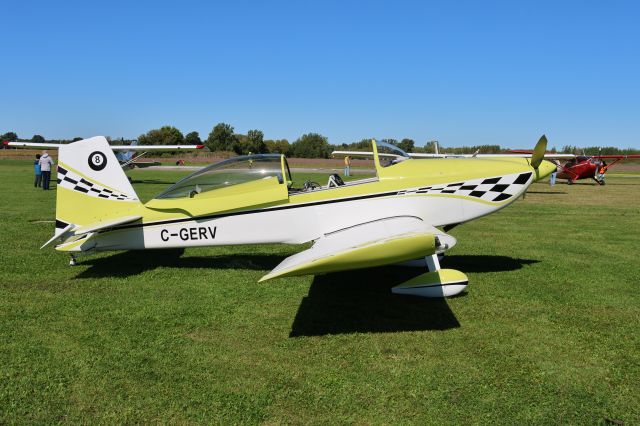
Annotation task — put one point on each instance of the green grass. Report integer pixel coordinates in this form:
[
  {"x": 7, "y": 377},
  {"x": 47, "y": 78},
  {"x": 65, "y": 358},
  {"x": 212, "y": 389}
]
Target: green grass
[{"x": 546, "y": 333}]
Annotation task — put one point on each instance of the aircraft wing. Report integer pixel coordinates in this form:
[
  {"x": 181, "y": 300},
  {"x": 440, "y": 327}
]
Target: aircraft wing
[
  {"x": 154, "y": 147},
  {"x": 113, "y": 147},
  {"x": 430, "y": 155},
  {"x": 381, "y": 242},
  {"x": 34, "y": 144},
  {"x": 560, "y": 156},
  {"x": 617, "y": 157},
  {"x": 365, "y": 154},
  {"x": 509, "y": 155}
]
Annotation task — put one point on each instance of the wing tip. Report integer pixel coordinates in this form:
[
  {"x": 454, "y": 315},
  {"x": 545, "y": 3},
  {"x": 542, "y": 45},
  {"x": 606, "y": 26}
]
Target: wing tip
[{"x": 272, "y": 275}]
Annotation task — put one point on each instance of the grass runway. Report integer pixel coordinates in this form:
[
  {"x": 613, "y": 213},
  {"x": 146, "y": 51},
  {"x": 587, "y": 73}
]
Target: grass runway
[{"x": 546, "y": 333}]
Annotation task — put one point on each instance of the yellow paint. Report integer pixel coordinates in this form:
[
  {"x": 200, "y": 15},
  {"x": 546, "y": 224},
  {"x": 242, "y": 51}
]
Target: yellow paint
[
  {"x": 376, "y": 159},
  {"x": 442, "y": 276},
  {"x": 383, "y": 252},
  {"x": 75, "y": 245},
  {"x": 258, "y": 193},
  {"x": 544, "y": 170},
  {"x": 81, "y": 209}
]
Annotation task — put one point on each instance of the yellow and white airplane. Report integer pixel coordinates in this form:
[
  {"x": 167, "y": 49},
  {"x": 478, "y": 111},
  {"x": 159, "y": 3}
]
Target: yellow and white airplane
[{"x": 387, "y": 219}]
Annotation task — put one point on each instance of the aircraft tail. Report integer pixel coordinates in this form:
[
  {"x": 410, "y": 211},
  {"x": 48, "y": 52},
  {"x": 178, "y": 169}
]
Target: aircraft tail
[{"x": 92, "y": 187}]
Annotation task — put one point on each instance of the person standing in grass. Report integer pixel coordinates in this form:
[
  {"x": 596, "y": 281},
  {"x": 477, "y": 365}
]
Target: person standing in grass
[
  {"x": 347, "y": 165},
  {"x": 45, "y": 167},
  {"x": 38, "y": 172}
]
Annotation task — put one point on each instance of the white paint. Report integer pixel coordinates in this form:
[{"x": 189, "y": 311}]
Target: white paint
[
  {"x": 76, "y": 155},
  {"x": 434, "y": 290}
]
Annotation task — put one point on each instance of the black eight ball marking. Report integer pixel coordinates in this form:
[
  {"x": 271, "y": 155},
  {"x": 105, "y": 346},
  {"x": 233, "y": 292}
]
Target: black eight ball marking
[{"x": 97, "y": 161}]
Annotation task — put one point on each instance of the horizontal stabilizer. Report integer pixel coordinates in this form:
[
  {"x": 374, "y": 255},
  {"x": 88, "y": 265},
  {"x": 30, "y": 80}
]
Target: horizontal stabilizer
[
  {"x": 106, "y": 224},
  {"x": 68, "y": 230},
  {"x": 71, "y": 229}
]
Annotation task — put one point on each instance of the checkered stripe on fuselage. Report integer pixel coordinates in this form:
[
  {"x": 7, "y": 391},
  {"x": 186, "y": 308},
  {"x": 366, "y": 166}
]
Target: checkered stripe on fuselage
[
  {"x": 494, "y": 189},
  {"x": 70, "y": 180}
]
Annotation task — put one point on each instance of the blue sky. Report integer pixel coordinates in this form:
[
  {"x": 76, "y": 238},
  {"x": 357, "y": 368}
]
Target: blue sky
[{"x": 464, "y": 73}]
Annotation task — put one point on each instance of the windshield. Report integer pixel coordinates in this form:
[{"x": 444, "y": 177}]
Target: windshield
[
  {"x": 226, "y": 173},
  {"x": 390, "y": 154}
]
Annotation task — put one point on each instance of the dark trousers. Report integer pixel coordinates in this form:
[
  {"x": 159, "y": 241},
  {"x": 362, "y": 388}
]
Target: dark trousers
[
  {"x": 38, "y": 182},
  {"x": 46, "y": 177}
]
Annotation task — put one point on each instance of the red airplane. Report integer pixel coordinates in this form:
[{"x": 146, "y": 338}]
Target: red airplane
[{"x": 582, "y": 166}]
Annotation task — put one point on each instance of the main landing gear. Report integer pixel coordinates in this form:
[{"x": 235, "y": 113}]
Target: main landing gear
[
  {"x": 72, "y": 260},
  {"x": 435, "y": 283}
]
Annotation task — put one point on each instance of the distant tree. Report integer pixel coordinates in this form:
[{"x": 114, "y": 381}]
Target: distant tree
[
  {"x": 280, "y": 146},
  {"x": 192, "y": 138},
  {"x": 166, "y": 135},
  {"x": 76, "y": 139},
  {"x": 407, "y": 145},
  {"x": 254, "y": 143},
  {"x": 9, "y": 136},
  {"x": 311, "y": 145},
  {"x": 222, "y": 138},
  {"x": 37, "y": 139},
  {"x": 361, "y": 145},
  {"x": 241, "y": 143}
]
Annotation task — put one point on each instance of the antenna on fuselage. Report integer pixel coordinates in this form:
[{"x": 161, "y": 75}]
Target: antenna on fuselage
[{"x": 376, "y": 159}]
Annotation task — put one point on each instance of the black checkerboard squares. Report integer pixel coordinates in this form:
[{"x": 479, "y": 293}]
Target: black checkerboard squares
[
  {"x": 69, "y": 180},
  {"x": 495, "y": 189}
]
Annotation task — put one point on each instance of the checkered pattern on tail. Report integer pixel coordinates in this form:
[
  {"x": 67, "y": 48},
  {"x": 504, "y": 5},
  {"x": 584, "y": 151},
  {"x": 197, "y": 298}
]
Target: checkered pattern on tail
[
  {"x": 494, "y": 189},
  {"x": 70, "y": 180}
]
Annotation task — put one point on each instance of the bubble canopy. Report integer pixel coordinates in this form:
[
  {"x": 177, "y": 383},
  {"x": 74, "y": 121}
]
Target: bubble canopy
[
  {"x": 384, "y": 146},
  {"x": 234, "y": 171}
]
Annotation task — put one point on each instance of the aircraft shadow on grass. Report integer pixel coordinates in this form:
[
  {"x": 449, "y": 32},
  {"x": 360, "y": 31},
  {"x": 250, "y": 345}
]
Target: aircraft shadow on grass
[
  {"x": 345, "y": 302},
  {"x": 479, "y": 263},
  {"x": 361, "y": 301},
  {"x": 135, "y": 262},
  {"x": 548, "y": 193}
]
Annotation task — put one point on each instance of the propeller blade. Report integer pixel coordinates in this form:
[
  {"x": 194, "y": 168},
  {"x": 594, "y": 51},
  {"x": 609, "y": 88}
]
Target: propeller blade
[{"x": 538, "y": 152}]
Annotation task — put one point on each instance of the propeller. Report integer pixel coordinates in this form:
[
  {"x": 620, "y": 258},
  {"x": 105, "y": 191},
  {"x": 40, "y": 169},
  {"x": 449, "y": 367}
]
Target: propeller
[{"x": 538, "y": 152}]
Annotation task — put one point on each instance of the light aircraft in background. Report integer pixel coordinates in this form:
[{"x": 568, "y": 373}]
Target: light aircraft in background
[
  {"x": 568, "y": 166},
  {"x": 579, "y": 167},
  {"x": 386, "y": 219},
  {"x": 129, "y": 156}
]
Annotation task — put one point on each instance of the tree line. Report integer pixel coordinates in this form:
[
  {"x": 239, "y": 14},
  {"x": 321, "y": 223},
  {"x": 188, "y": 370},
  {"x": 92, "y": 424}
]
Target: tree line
[
  {"x": 310, "y": 145},
  {"x": 224, "y": 138}
]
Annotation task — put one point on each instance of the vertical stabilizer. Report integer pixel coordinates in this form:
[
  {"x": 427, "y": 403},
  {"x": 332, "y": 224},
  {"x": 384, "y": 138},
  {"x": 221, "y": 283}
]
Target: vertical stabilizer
[{"x": 92, "y": 187}]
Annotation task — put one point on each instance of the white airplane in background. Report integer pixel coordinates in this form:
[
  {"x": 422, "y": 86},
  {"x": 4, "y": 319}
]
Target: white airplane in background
[{"x": 127, "y": 155}]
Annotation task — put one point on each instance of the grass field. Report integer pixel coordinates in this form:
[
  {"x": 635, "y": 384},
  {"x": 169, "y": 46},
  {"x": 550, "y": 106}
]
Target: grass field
[{"x": 546, "y": 333}]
